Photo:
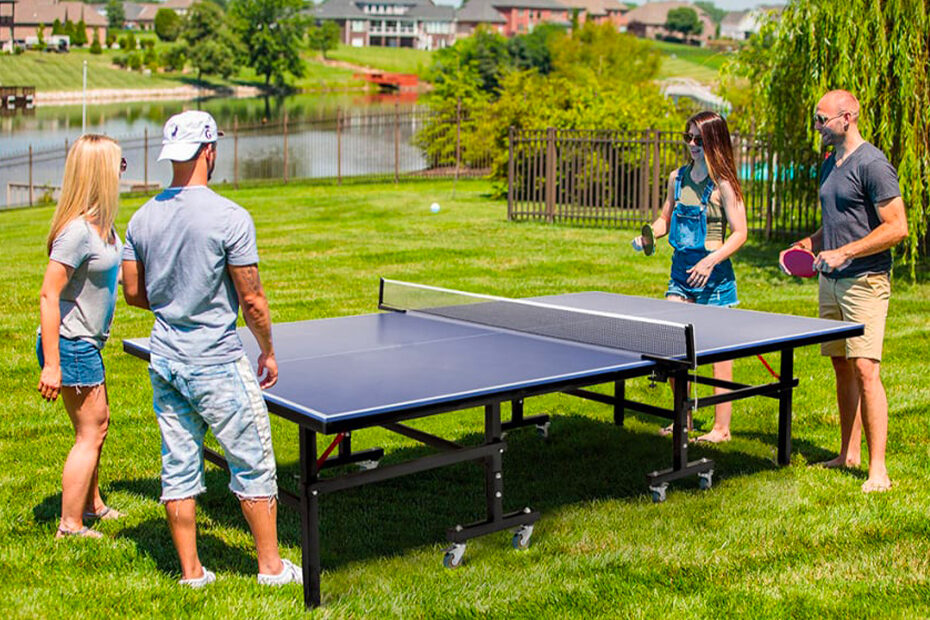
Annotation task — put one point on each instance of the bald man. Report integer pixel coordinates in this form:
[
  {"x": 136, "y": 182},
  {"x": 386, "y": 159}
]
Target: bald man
[{"x": 862, "y": 218}]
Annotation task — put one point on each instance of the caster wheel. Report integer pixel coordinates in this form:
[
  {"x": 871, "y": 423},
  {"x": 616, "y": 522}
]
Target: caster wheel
[
  {"x": 658, "y": 493},
  {"x": 521, "y": 537},
  {"x": 367, "y": 465},
  {"x": 454, "y": 555},
  {"x": 543, "y": 430},
  {"x": 706, "y": 480}
]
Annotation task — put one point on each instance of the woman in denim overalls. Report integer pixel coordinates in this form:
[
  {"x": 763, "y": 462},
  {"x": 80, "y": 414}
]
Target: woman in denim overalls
[{"x": 703, "y": 198}]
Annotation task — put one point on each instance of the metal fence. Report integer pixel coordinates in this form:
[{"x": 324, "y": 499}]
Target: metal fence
[
  {"x": 358, "y": 146},
  {"x": 619, "y": 178}
]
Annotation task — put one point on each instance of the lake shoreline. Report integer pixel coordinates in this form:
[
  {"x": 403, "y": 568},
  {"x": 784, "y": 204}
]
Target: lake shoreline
[{"x": 113, "y": 95}]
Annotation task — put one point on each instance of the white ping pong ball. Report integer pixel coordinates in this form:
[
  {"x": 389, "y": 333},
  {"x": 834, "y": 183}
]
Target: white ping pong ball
[{"x": 434, "y": 207}]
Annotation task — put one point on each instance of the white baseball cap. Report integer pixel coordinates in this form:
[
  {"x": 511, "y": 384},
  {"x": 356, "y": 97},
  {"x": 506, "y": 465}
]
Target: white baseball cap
[{"x": 185, "y": 132}]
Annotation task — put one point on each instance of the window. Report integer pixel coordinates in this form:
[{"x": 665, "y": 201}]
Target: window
[{"x": 358, "y": 26}]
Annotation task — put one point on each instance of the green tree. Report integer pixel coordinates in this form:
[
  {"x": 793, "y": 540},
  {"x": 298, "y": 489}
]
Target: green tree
[
  {"x": 273, "y": 32},
  {"x": 684, "y": 20},
  {"x": 68, "y": 28},
  {"x": 483, "y": 55},
  {"x": 80, "y": 34},
  {"x": 116, "y": 15},
  {"x": 95, "y": 47},
  {"x": 174, "y": 57},
  {"x": 167, "y": 25},
  {"x": 532, "y": 51},
  {"x": 715, "y": 13},
  {"x": 40, "y": 36},
  {"x": 212, "y": 48},
  {"x": 878, "y": 51},
  {"x": 57, "y": 28},
  {"x": 323, "y": 37}
]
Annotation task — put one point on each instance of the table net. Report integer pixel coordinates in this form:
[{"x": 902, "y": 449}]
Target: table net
[{"x": 617, "y": 331}]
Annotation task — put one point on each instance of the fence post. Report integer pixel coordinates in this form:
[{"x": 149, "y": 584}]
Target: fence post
[
  {"x": 396, "y": 141},
  {"x": 769, "y": 190},
  {"x": 510, "y": 165},
  {"x": 145, "y": 160},
  {"x": 30, "y": 175},
  {"x": 656, "y": 188},
  {"x": 339, "y": 145},
  {"x": 458, "y": 137},
  {"x": 236, "y": 151},
  {"x": 285, "y": 146},
  {"x": 550, "y": 174}
]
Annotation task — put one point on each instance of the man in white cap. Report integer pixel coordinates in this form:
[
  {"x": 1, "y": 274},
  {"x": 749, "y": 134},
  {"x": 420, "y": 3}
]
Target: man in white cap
[{"x": 191, "y": 258}]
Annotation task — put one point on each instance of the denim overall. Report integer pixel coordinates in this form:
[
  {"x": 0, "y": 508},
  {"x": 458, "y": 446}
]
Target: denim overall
[{"x": 687, "y": 235}]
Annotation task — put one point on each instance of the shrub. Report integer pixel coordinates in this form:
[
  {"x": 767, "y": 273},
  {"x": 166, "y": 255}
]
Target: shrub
[
  {"x": 135, "y": 61},
  {"x": 174, "y": 58}
]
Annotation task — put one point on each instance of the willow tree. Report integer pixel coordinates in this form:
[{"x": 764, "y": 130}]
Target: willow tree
[{"x": 877, "y": 49}]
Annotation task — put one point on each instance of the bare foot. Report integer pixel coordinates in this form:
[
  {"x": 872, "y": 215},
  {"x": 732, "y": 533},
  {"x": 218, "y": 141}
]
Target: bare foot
[
  {"x": 666, "y": 431},
  {"x": 715, "y": 436},
  {"x": 878, "y": 485},
  {"x": 839, "y": 462}
]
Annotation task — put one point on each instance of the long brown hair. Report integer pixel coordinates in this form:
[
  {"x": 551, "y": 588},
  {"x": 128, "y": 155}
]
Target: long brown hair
[
  {"x": 718, "y": 148},
  {"x": 90, "y": 187}
]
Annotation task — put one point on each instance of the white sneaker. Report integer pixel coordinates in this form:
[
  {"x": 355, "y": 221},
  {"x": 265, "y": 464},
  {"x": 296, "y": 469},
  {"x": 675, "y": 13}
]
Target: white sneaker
[
  {"x": 290, "y": 573},
  {"x": 208, "y": 577}
]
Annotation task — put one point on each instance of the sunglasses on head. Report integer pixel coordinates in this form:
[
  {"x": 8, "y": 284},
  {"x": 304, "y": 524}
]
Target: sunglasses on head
[
  {"x": 122, "y": 164},
  {"x": 689, "y": 138}
]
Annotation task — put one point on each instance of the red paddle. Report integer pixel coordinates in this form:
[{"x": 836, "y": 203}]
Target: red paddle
[{"x": 798, "y": 262}]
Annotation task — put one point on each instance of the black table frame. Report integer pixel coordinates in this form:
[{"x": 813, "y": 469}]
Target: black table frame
[{"x": 489, "y": 454}]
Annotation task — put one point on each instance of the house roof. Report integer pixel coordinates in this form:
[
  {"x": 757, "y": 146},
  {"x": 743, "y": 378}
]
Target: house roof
[
  {"x": 432, "y": 11},
  {"x": 656, "y": 13},
  {"x": 29, "y": 12},
  {"x": 733, "y": 18},
  {"x": 177, "y": 5},
  {"x": 480, "y": 11},
  {"x": 552, "y": 5},
  {"x": 595, "y": 7}
]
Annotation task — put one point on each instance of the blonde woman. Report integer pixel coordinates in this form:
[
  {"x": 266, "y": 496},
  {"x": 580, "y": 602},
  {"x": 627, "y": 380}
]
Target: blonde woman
[{"x": 76, "y": 307}]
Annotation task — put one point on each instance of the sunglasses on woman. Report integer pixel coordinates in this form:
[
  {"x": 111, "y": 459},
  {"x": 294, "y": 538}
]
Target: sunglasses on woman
[
  {"x": 122, "y": 165},
  {"x": 689, "y": 138}
]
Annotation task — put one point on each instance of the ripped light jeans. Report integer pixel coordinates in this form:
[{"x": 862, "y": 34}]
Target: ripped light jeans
[{"x": 225, "y": 398}]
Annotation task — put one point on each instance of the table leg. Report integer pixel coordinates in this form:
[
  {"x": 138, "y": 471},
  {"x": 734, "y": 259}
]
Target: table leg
[
  {"x": 309, "y": 518},
  {"x": 786, "y": 378}
]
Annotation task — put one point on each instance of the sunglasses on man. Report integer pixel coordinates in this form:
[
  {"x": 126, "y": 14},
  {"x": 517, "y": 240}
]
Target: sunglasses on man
[
  {"x": 823, "y": 119},
  {"x": 689, "y": 138}
]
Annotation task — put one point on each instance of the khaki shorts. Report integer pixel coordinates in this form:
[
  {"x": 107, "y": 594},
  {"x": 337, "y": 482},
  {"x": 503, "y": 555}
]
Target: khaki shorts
[{"x": 860, "y": 300}]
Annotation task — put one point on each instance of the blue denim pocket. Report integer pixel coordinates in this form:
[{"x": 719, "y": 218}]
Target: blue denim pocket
[
  {"x": 81, "y": 362},
  {"x": 688, "y": 227}
]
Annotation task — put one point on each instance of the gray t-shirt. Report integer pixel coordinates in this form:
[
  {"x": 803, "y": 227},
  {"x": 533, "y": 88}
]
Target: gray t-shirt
[
  {"x": 848, "y": 196},
  {"x": 184, "y": 238},
  {"x": 89, "y": 298}
]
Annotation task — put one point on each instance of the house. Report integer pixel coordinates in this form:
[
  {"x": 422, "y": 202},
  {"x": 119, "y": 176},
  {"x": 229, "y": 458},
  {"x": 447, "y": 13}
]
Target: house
[
  {"x": 520, "y": 16},
  {"x": 598, "y": 11},
  {"x": 423, "y": 25},
  {"x": 740, "y": 25},
  {"x": 648, "y": 21},
  {"x": 418, "y": 24},
  {"x": 31, "y": 14}
]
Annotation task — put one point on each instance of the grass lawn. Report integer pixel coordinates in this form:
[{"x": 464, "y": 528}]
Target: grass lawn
[
  {"x": 54, "y": 72},
  {"x": 395, "y": 59},
  {"x": 679, "y": 60},
  {"x": 765, "y": 542}
]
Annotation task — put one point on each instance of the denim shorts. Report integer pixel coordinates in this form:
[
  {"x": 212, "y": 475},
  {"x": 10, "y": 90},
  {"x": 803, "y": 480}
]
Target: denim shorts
[
  {"x": 227, "y": 400},
  {"x": 720, "y": 289},
  {"x": 81, "y": 363}
]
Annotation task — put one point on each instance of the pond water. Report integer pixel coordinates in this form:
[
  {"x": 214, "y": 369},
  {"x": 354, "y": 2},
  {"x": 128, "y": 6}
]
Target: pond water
[{"x": 258, "y": 153}]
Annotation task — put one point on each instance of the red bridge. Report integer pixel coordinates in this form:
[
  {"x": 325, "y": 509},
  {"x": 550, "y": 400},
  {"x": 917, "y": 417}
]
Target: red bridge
[{"x": 391, "y": 81}]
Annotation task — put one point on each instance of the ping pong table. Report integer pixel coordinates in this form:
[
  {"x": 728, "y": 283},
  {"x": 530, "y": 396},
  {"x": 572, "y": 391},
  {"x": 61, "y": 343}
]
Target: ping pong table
[{"x": 436, "y": 350}]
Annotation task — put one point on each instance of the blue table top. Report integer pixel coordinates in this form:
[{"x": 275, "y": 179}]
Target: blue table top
[{"x": 339, "y": 369}]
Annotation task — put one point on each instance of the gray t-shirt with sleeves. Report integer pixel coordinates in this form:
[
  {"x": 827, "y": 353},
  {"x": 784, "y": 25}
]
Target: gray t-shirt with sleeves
[
  {"x": 184, "y": 238},
  {"x": 89, "y": 298},
  {"x": 848, "y": 198}
]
